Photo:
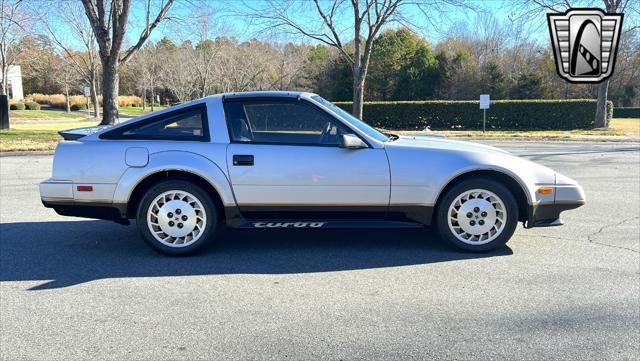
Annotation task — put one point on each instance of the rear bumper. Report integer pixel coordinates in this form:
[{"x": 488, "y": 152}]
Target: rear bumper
[
  {"x": 59, "y": 195},
  {"x": 107, "y": 211},
  {"x": 53, "y": 190}
]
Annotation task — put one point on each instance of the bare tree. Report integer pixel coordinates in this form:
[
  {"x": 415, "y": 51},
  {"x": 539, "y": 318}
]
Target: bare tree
[
  {"x": 73, "y": 24},
  {"x": 366, "y": 18},
  {"x": 288, "y": 64},
  {"x": 109, "y": 23},
  {"x": 241, "y": 67},
  {"x": 205, "y": 53},
  {"x": 178, "y": 76},
  {"x": 146, "y": 64},
  {"x": 13, "y": 27}
]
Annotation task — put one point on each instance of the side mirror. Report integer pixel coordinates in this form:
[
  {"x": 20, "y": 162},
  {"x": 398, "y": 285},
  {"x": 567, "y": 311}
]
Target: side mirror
[{"x": 352, "y": 141}]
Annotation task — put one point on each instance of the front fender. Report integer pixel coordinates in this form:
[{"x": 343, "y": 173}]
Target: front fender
[
  {"x": 527, "y": 174},
  {"x": 419, "y": 174},
  {"x": 176, "y": 161}
]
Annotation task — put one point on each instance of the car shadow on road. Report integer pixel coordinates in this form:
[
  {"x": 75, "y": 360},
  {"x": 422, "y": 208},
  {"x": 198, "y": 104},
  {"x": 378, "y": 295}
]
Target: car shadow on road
[{"x": 68, "y": 253}]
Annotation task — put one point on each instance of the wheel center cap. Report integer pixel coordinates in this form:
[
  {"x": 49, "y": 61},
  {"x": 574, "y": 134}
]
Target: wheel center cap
[
  {"x": 177, "y": 218},
  {"x": 483, "y": 216}
]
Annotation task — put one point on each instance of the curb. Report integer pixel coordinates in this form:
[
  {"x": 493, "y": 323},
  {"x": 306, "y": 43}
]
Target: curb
[{"x": 26, "y": 152}]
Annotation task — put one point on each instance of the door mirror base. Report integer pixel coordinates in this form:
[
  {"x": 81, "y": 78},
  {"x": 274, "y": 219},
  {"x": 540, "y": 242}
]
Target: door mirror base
[{"x": 352, "y": 141}]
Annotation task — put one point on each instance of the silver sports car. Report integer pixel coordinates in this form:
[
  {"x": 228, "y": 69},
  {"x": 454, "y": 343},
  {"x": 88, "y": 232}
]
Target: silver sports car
[{"x": 294, "y": 160}]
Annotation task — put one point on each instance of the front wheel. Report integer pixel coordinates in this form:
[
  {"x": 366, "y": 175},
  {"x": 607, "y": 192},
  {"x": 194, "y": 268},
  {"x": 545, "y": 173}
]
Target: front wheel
[
  {"x": 477, "y": 214},
  {"x": 176, "y": 217}
]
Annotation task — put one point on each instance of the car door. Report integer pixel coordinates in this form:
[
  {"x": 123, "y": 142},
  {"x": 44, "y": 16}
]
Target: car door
[{"x": 285, "y": 158}]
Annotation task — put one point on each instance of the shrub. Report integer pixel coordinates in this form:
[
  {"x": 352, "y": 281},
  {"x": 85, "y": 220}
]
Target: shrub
[
  {"x": 630, "y": 112},
  {"x": 466, "y": 115},
  {"x": 32, "y": 106},
  {"x": 59, "y": 100},
  {"x": 129, "y": 100},
  {"x": 16, "y": 106},
  {"x": 79, "y": 106},
  {"x": 41, "y": 99},
  {"x": 126, "y": 101}
]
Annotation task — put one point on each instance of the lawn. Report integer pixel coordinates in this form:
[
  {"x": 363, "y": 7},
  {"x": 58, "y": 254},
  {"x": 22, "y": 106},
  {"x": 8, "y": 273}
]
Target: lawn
[
  {"x": 630, "y": 126},
  {"x": 36, "y": 136},
  {"x": 56, "y": 114},
  {"x": 547, "y": 134},
  {"x": 44, "y": 114},
  {"x": 137, "y": 111},
  {"x": 44, "y": 135}
]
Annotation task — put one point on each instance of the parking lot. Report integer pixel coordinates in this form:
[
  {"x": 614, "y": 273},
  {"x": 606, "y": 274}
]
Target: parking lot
[{"x": 73, "y": 288}]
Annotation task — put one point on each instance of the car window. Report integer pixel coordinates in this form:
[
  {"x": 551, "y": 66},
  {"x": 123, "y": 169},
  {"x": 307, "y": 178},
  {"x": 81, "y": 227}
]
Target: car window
[
  {"x": 364, "y": 127},
  {"x": 185, "y": 124},
  {"x": 282, "y": 122}
]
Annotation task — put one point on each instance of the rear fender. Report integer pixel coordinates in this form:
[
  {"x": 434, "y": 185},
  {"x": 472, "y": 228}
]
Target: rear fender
[{"x": 176, "y": 161}]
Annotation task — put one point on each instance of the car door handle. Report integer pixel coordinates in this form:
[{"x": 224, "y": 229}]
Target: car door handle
[{"x": 242, "y": 159}]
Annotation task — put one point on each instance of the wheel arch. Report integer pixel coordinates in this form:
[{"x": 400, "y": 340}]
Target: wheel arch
[
  {"x": 174, "y": 165},
  {"x": 513, "y": 185},
  {"x": 174, "y": 174}
]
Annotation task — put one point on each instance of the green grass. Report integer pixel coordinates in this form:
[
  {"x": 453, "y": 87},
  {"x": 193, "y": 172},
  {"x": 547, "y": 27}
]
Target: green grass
[
  {"x": 44, "y": 114},
  {"x": 549, "y": 134},
  {"x": 137, "y": 111},
  {"x": 44, "y": 135},
  {"x": 36, "y": 136},
  {"x": 627, "y": 125},
  {"x": 618, "y": 127}
]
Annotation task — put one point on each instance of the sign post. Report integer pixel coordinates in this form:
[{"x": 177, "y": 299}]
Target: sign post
[
  {"x": 484, "y": 105},
  {"x": 87, "y": 94}
]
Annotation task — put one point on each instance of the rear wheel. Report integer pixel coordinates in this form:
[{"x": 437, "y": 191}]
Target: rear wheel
[
  {"x": 176, "y": 217},
  {"x": 477, "y": 214}
]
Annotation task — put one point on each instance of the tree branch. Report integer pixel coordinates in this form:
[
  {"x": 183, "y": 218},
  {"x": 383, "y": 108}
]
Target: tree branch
[{"x": 147, "y": 30}]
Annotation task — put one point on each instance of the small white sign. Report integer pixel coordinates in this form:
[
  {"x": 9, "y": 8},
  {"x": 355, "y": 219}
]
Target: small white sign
[
  {"x": 87, "y": 91},
  {"x": 484, "y": 101}
]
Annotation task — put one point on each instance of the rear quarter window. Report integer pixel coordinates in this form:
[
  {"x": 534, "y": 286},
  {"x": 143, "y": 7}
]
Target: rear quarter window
[{"x": 186, "y": 124}]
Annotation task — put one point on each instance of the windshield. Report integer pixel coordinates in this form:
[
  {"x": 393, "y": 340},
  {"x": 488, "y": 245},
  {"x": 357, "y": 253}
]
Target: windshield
[{"x": 362, "y": 126}]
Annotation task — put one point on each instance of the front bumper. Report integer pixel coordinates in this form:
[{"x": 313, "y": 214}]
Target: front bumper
[{"x": 546, "y": 214}]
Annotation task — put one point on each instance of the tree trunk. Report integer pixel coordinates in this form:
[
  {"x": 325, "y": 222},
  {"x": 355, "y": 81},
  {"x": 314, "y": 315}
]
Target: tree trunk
[
  {"x": 153, "y": 98},
  {"x": 358, "y": 95},
  {"x": 5, "y": 81},
  {"x": 110, "y": 83},
  {"x": 144, "y": 99},
  {"x": 601, "y": 110},
  {"x": 94, "y": 97},
  {"x": 66, "y": 98}
]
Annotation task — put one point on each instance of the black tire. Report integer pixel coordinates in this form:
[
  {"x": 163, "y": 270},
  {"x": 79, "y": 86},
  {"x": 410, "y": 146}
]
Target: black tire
[
  {"x": 498, "y": 189},
  {"x": 202, "y": 196}
]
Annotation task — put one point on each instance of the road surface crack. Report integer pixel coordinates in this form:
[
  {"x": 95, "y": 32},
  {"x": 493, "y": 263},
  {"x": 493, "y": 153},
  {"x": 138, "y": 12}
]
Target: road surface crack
[{"x": 591, "y": 237}]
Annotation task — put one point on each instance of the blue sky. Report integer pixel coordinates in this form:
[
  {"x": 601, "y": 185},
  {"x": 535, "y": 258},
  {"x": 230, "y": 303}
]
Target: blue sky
[
  {"x": 228, "y": 22},
  {"x": 226, "y": 19}
]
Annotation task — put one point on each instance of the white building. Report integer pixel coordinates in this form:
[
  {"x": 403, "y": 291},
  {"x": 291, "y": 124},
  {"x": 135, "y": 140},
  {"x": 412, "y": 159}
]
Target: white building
[{"x": 14, "y": 82}]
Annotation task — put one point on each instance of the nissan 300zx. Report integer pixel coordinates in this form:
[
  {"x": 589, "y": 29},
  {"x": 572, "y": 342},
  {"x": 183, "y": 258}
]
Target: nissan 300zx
[{"x": 294, "y": 160}]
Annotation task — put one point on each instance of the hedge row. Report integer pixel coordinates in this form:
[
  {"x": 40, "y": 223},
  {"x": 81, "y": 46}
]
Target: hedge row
[
  {"x": 466, "y": 115},
  {"x": 630, "y": 112}
]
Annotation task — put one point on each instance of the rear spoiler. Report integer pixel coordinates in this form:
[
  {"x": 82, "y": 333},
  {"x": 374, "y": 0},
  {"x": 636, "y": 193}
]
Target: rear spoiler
[{"x": 77, "y": 133}]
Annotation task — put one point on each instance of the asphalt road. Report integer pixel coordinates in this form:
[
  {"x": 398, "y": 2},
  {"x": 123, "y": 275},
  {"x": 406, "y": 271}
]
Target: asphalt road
[{"x": 84, "y": 289}]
